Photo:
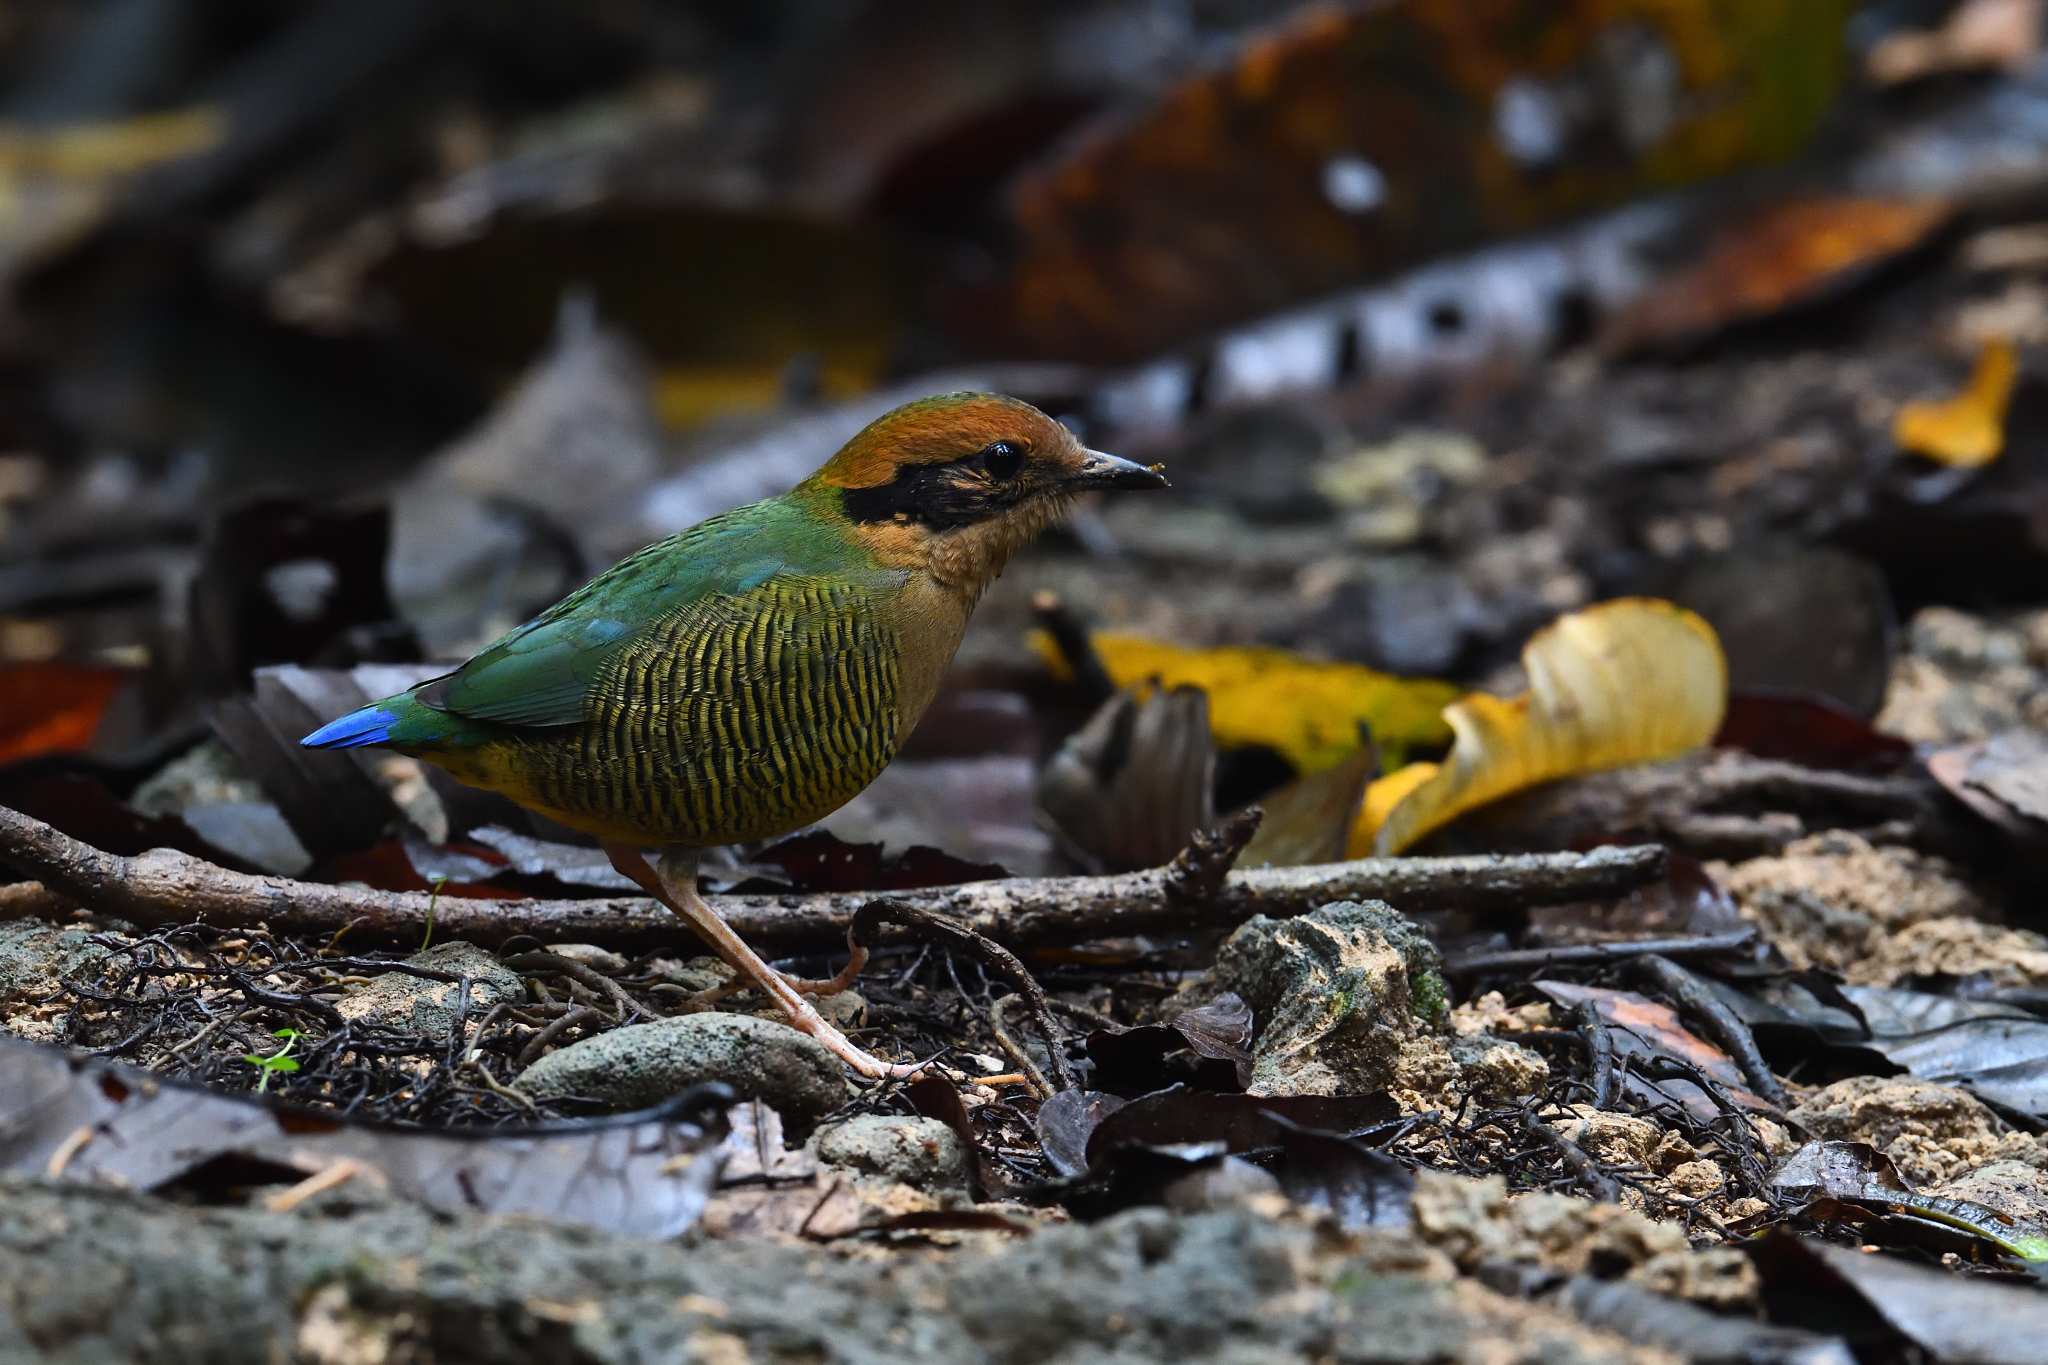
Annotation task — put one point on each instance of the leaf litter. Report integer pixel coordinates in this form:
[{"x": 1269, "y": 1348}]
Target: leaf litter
[{"x": 1819, "y": 1022}]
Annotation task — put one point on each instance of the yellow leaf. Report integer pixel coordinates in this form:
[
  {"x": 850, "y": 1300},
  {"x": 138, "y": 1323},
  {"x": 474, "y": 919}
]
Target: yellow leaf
[
  {"x": 1629, "y": 681},
  {"x": 57, "y": 184},
  {"x": 1967, "y": 430},
  {"x": 687, "y": 394},
  {"x": 1307, "y": 709},
  {"x": 92, "y": 151},
  {"x": 1381, "y": 796}
]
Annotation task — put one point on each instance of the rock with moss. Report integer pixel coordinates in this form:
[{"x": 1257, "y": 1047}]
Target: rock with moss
[{"x": 1339, "y": 996}]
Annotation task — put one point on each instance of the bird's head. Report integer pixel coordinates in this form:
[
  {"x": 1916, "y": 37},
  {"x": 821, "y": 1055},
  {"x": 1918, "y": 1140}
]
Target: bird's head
[{"x": 952, "y": 485}]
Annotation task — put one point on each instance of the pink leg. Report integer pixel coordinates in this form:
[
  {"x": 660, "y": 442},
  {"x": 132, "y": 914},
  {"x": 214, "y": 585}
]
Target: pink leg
[{"x": 674, "y": 884}]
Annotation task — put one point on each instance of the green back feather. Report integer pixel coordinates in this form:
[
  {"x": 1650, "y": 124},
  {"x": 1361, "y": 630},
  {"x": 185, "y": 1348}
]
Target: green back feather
[{"x": 542, "y": 674}]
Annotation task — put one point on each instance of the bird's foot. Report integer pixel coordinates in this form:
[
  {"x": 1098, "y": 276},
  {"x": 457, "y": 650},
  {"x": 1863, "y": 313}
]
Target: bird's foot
[
  {"x": 807, "y": 1019},
  {"x": 831, "y": 985}
]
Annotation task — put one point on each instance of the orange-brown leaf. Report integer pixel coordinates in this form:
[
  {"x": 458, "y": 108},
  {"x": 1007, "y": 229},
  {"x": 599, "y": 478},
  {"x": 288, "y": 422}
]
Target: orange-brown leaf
[
  {"x": 1791, "y": 252},
  {"x": 52, "y": 708},
  {"x": 1355, "y": 140}
]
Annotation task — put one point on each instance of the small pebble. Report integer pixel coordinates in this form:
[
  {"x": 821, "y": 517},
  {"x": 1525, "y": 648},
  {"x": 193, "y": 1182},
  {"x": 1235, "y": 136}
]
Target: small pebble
[{"x": 913, "y": 1151}]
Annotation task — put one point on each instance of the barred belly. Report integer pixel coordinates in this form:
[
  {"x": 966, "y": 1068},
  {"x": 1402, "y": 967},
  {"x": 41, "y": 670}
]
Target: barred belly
[{"x": 727, "y": 723}]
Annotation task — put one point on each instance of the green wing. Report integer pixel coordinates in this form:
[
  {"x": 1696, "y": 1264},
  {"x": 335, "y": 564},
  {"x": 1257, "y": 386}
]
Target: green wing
[{"x": 541, "y": 673}]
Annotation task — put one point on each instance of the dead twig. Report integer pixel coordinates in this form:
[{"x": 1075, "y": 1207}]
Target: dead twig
[
  {"x": 1197, "y": 872},
  {"x": 70, "y": 1147},
  {"x": 928, "y": 925},
  {"x": 623, "y": 1005},
  {"x": 1599, "y": 1053},
  {"x": 999, "y": 1025},
  {"x": 574, "y": 1017},
  {"x": 1692, "y": 997},
  {"x": 163, "y": 887},
  {"x": 500, "y": 1089},
  {"x": 1597, "y": 1182},
  {"x": 1719, "y": 803}
]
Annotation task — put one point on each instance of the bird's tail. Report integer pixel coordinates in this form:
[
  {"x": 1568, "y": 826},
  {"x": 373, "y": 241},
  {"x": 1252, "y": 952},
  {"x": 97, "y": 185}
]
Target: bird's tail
[{"x": 364, "y": 726}]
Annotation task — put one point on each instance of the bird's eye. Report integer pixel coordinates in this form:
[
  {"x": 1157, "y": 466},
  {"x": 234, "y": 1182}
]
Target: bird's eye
[{"x": 1002, "y": 459}]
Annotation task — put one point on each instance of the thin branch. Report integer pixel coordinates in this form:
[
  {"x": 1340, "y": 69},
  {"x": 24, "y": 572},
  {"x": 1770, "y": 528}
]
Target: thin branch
[
  {"x": 928, "y": 926},
  {"x": 1693, "y": 996},
  {"x": 163, "y": 887},
  {"x": 1599, "y": 1053},
  {"x": 1582, "y": 1167},
  {"x": 1506, "y": 961}
]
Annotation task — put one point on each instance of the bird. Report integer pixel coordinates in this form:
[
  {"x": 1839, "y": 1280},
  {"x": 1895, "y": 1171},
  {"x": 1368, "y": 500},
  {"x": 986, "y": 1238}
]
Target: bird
[{"x": 747, "y": 676}]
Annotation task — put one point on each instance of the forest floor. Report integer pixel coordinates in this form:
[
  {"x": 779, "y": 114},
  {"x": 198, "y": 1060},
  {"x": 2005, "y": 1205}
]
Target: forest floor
[{"x": 1545, "y": 1183}]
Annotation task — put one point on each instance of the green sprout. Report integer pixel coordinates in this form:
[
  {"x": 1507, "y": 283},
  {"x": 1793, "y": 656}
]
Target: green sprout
[
  {"x": 280, "y": 1060},
  {"x": 433, "y": 899}
]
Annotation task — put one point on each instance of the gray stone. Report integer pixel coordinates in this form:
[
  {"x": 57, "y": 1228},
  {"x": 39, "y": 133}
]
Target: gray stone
[
  {"x": 643, "y": 1064},
  {"x": 912, "y": 1151},
  {"x": 844, "y": 1010},
  {"x": 1337, "y": 994},
  {"x": 695, "y": 975},
  {"x": 205, "y": 775},
  {"x": 255, "y": 832},
  {"x": 425, "y": 1007},
  {"x": 34, "y": 953},
  {"x": 1498, "y": 1069}
]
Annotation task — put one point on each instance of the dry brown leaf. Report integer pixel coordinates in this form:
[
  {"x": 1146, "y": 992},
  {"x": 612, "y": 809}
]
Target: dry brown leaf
[
  {"x": 1629, "y": 681},
  {"x": 1349, "y": 140},
  {"x": 53, "y": 708},
  {"x": 1790, "y": 252}
]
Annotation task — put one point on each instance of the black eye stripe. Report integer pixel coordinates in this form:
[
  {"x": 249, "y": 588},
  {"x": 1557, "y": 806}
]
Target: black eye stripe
[{"x": 947, "y": 494}]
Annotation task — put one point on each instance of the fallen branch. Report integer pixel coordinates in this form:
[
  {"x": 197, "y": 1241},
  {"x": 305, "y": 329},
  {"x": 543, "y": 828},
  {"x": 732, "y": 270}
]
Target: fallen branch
[{"x": 162, "y": 888}]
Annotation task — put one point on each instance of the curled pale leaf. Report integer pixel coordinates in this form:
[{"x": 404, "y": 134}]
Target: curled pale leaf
[
  {"x": 1307, "y": 709},
  {"x": 1967, "y": 430},
  {"x": 1629, "y": 681}
]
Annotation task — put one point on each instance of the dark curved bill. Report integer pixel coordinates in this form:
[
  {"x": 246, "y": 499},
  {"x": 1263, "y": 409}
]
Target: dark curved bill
[{"x": 1101, "y": 470}]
